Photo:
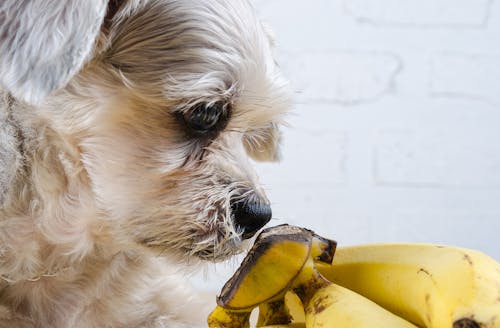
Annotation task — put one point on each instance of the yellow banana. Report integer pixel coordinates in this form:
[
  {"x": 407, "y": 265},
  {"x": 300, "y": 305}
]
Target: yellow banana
[
  {"x": 278, "y": 256},
  {"x": 224, "y": 318},
  {"x": 329, "y": 305},
  {"x": 295, "y": 307},
  {"x": 336, "y": 306},
  {"x": 432, "y": 286}
]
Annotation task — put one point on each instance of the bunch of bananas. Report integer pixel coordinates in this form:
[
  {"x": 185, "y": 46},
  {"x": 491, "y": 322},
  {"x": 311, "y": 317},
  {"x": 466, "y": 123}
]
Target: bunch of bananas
[{"x": 291, "y": 275}]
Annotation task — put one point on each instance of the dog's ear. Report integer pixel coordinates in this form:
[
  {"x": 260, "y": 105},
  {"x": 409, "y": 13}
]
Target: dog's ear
[{"x": 44, "y": 43}]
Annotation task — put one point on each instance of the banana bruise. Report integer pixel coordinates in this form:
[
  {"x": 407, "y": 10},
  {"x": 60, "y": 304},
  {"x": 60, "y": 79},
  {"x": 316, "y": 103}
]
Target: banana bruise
[{"x": 431, "y": 286}]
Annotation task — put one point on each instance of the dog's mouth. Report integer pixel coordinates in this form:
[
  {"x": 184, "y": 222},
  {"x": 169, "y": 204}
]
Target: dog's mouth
[
  {"x": 223, "y": 242},
  {"x": 219, "y": 253},
  {"x": 218, "y": 245},
  {"x": 211, "y": 229},
  {"x": 213, "y": 245}
]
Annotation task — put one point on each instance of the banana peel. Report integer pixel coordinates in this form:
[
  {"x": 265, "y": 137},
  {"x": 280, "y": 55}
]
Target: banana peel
[{"x": 276, "y": 260}]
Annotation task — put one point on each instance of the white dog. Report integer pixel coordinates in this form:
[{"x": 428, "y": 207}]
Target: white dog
[{"x": 126, "y": 129}]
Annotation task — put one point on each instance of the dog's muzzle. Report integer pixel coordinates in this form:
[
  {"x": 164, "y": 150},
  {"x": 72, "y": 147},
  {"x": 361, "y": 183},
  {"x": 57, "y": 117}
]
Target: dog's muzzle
[{"x": 249, "y": 215}]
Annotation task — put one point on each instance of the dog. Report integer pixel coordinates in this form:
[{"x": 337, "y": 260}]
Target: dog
[{"x": 128, "y": 131}]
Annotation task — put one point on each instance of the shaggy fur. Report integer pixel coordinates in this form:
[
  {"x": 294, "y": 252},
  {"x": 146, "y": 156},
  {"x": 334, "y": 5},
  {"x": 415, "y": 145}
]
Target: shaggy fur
[{"x": 104, "y": 193}]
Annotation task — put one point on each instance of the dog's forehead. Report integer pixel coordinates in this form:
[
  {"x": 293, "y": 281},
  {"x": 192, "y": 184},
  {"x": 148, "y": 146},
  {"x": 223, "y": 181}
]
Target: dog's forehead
[{"x": 202, "y": 51}]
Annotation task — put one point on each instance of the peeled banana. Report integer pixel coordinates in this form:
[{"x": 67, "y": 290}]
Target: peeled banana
[
  {"x": 277, "y": 257},
  {"x": 431, "y": 286},
  {"x": 280, "y": 256}
]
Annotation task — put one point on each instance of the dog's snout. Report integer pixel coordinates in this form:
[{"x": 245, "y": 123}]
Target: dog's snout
[{"x": 250, "y": 216}]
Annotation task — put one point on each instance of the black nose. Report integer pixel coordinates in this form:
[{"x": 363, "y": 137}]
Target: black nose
[{"x": 250, "y": 216}]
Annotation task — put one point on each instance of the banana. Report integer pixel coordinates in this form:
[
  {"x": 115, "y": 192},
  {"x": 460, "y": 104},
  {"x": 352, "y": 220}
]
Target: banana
[
  {"x": 431, "y": 286},
  {"x": 329, "y": 305},
  {"x": 336, "y": 306},
  {"x": 276, "y": 259},
  {"x": 295, "y": 307},
  {"x": 282, "y": 249},
  {"x": 225, "y": 318}
]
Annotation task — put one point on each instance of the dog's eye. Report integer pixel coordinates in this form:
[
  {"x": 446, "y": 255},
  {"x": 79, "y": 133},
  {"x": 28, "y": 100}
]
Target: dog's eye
[{"x": 205, "y": 119}]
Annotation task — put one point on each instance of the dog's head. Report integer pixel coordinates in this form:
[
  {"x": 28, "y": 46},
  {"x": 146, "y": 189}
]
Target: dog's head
[{"x": 172, "y": 100}]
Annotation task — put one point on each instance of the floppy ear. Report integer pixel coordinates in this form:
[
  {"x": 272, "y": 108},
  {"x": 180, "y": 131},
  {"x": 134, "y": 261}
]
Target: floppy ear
[{"x": 44, "y": 43}]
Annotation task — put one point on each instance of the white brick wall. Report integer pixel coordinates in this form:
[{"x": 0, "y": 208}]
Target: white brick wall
[
  {"x": 396, "y": 129},
  {"x": 448, "y": 72},
  {"x": 345, "y": 77},
  {"x": 463, "y": 157},
  {"x": 418, "y": 13}
]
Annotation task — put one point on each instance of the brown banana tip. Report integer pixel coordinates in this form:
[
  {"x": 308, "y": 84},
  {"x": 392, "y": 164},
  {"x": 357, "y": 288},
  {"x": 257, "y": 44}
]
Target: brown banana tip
[{"x": 328, "y": 252}]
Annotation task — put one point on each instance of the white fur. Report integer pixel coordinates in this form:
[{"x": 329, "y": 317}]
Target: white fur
[{"x": 104, "y": 199}]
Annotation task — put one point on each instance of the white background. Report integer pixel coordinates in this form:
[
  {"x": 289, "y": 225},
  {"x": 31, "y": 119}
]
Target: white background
[{"x": 395, "y": 132}]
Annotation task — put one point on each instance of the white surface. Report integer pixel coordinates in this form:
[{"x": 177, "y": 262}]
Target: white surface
[{"x": 396, "y": 132}]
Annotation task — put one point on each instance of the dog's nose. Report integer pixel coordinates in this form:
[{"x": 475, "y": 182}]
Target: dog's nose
[{"x": 250, "y": 216}]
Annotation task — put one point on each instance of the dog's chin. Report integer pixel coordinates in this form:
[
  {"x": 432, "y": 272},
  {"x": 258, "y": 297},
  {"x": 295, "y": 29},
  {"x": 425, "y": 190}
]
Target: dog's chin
[
  {"x": 219, "y": 254},
  {"x": 219, "y": 251},
  {"x": 215, "y": 249}
]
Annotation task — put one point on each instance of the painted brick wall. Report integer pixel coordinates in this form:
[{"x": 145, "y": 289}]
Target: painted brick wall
[{"x": 395, "y": 135}]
